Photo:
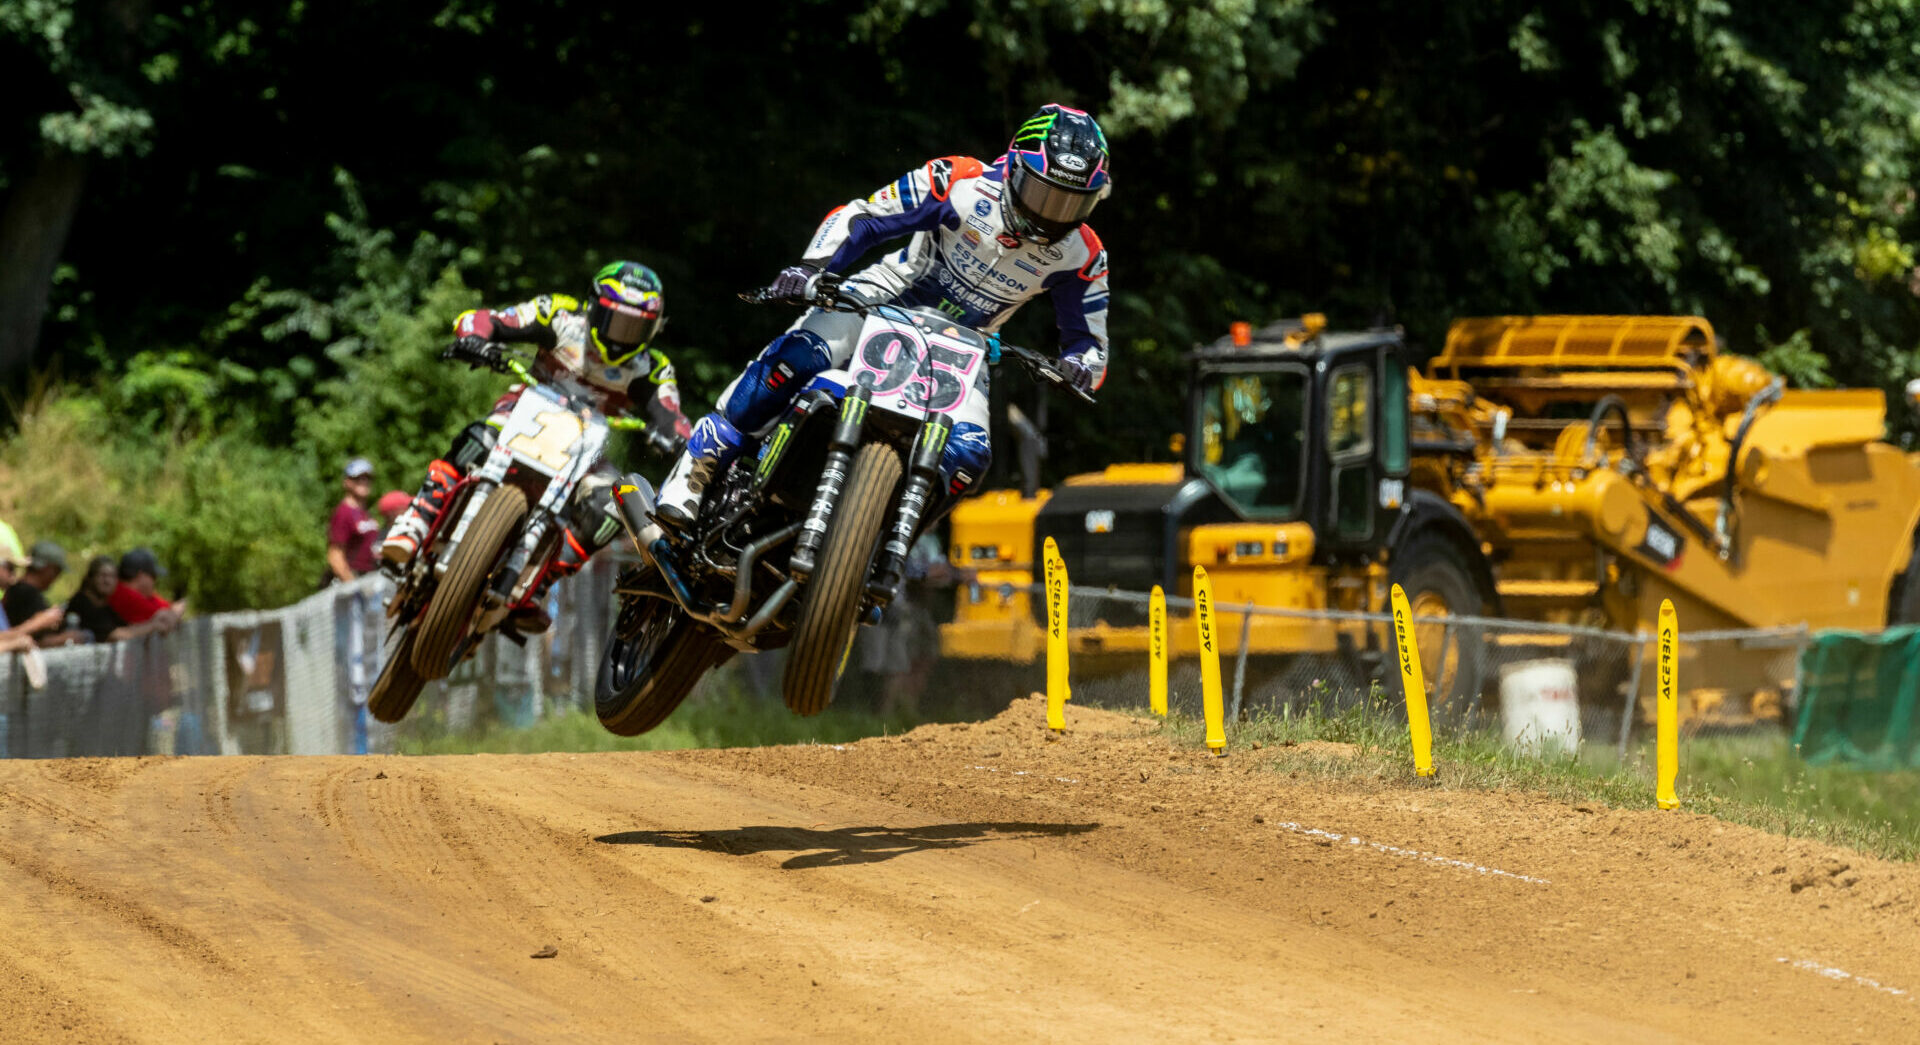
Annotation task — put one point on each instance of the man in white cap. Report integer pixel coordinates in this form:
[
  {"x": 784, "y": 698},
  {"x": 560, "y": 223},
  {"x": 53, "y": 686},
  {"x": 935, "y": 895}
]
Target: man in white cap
[{"x": 352, "y": 532}]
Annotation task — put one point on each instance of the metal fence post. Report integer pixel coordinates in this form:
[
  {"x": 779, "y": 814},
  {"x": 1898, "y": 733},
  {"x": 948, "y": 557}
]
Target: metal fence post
[{"x": 1240, "y": 662}]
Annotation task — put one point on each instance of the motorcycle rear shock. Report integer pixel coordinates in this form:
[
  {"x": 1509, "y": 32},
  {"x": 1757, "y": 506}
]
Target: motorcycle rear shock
[
  {"x": 922, "y": 471},
  {"x": 833, "y": 476}
]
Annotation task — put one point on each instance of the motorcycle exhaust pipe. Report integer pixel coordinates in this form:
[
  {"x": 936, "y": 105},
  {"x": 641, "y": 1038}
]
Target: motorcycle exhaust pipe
[
  {"x": 846, "y": 436},
  {"x": 635, "y": 498}
]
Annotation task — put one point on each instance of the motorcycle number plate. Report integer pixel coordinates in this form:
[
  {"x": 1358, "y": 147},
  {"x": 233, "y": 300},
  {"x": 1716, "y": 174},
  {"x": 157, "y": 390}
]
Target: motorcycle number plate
[{"x": 548, "y": 439}]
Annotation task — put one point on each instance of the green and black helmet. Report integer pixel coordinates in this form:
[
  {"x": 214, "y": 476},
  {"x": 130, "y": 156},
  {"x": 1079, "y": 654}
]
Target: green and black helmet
[{"x": 625, "y": 310}]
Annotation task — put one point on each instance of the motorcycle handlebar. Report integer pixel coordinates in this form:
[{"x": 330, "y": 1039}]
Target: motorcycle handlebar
[
  {"x": 833, "y": 298},
  {"x": 1043, "y": 368}
]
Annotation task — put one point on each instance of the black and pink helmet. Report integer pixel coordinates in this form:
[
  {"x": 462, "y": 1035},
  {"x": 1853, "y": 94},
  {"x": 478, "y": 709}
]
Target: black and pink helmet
[{"x": 1056, "y": 172}]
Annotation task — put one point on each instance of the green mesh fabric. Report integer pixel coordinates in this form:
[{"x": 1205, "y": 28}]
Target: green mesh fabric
[{"x": 1857, "y": 696}]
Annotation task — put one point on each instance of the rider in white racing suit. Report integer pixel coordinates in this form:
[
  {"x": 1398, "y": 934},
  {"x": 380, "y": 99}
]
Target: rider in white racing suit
[{"x": 986, "y": 238}]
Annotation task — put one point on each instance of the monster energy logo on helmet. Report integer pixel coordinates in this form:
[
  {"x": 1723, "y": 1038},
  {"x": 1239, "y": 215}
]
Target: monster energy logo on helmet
[{"x": 1056, "y": 171}]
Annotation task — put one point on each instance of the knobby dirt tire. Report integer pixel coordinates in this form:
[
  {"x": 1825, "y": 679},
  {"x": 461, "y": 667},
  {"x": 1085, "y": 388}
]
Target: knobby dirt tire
[
  {"x": 824, "y": 635},
  {"x": 398, "y": 686},
  {"x": 643, "y": 679},
  {"x": 445, "y": 622}
]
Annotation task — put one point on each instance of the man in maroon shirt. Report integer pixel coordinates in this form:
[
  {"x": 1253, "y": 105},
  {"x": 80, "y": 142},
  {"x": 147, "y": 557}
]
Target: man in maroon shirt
[{"x": 352, "y": 533}]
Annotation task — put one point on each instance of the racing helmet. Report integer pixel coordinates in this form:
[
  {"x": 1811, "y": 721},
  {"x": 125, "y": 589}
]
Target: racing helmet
[
  {"x": 625, "y": 310},
  {"x": 1056, "y": 172}
]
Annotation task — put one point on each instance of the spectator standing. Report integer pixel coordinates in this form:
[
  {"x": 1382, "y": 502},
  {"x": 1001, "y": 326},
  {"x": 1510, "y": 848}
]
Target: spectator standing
[
  {"x": 14, "y": 637},
  {"x": 134, "y": 598},
  {"x": 352, "y": 533},
  {"x": 26, "y": 600}
]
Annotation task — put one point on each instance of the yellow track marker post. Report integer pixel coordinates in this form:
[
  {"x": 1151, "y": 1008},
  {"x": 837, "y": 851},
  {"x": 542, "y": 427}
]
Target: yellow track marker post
[
  {"x": 1668, "y": 719},
  {"x": 1057, "y": 694},
  {"x": 1157, "y": 652},
  {"x": 1413, "y": 684},
  {"x": 1210, "y": 699}
]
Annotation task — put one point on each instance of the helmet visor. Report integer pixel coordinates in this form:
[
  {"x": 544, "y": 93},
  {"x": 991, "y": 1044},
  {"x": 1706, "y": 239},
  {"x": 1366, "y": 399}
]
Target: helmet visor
[
  {"x": 624, "y": 326},
  {"x": 1051, "y": 205}
]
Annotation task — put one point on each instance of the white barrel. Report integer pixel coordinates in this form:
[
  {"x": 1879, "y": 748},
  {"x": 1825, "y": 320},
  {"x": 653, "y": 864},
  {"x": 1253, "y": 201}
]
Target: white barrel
[{"x": 1540, "y": 706}]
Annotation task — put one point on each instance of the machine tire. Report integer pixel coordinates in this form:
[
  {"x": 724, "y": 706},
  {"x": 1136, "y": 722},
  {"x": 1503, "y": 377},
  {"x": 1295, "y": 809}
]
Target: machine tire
[
  {"x": 448, "y": 616},
  {"x": 646, "y": 673},
  {"x": 1430, "y": 566},
  {"x": 398, "y": 686},
  {"x": 824, "y": 635}
]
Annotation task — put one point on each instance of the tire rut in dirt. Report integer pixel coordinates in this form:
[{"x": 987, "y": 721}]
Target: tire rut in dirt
[
  {"x": 824, "y": 635},
  {"x": 398, "y": 686},
  {"x": 446, "y": 619},
  {"x": 643, "y": 679}
]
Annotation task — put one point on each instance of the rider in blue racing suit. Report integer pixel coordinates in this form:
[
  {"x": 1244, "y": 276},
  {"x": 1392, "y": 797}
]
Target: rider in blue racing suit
[{"x": 986, "y": 238}]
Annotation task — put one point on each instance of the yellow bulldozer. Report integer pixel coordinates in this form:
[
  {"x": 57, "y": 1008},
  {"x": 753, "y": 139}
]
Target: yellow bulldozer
[{"x": 1568, "y": 469}]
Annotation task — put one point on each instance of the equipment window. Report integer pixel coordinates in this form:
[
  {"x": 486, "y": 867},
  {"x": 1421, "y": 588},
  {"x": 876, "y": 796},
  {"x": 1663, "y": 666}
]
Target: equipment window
[
  {"x": 1349, "y": 426},
  {"x": 1252, "y": 438},
  {"x": 1393, "y": 414}
]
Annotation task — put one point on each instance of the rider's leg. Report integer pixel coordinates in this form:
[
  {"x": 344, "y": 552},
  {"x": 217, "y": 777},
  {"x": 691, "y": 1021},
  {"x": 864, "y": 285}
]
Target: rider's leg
[
  {"x": 963, "y": 462},
  {"x": 820, "y": 341},
  {"x": 469, "y": 448},
  {"x": 587, "y": 526}
]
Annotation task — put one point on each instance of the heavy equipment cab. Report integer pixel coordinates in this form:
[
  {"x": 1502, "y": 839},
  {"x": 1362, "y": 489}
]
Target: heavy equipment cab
[
  {"x": 1294, "y": 424},
  {"x": 1293, "y": 492}
]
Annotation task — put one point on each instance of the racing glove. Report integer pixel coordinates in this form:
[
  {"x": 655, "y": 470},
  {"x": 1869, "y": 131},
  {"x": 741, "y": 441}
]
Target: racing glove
[
  {"x": 1078, "y": 372},
  {"x": 476, "y": 351},
  {"x": 800, "y": 282}
]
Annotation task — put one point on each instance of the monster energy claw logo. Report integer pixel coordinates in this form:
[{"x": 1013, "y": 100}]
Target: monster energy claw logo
[{"x": 1036, "y": 129}]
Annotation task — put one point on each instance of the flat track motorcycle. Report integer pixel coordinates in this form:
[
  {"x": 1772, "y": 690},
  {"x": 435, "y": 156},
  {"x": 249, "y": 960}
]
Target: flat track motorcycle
[
  {"x": 495, "y": 538},
  {"x": 805, "y": 541}
]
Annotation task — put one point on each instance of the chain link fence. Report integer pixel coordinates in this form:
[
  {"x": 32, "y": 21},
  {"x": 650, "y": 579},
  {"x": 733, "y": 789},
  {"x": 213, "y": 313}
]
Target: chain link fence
[
  {"x": 1539, "y": 685},
  {"x": 294, "y": 680}
]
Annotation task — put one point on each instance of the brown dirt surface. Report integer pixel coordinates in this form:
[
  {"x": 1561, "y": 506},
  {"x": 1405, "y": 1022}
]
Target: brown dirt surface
[{"x": 983, "y": 882}]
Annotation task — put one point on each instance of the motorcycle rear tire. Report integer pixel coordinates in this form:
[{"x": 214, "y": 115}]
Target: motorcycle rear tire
[
  {"x": 824, "y": 635},
  {"x": 642, "y": 679},
  {"x": 398, "y": 686},
  {"x": 450, "y": 613}
]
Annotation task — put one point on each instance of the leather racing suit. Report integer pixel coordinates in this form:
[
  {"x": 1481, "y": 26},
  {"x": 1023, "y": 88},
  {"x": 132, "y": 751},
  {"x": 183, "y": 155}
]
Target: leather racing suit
[{"x": 959, "y": 260}]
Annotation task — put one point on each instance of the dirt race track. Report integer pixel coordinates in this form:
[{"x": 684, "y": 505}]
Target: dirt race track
[{"x": 959, "y": 883}]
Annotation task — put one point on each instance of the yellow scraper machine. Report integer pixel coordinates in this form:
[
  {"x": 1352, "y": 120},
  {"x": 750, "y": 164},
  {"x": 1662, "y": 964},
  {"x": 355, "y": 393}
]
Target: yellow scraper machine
[{"x": 1567, "y": 469}]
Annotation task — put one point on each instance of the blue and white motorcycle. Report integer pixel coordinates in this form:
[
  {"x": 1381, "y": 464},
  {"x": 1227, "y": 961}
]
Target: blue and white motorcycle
[{"x": 800, "y": 544}]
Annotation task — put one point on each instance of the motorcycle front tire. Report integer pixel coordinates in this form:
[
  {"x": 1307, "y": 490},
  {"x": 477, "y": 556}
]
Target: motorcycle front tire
[
  {"x": 824, "y": 635},
  {"x": 398, "y": 686},
  {"x": 450, "y": 613}
]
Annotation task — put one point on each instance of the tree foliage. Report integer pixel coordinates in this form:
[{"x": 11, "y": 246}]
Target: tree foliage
[{"x": 268, "y": 245}]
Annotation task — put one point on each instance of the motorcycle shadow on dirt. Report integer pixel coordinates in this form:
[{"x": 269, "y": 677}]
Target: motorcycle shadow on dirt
[{"x": 842, "y": 846}]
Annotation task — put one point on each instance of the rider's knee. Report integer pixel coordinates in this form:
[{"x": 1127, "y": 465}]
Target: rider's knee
[
  {"x": 965, "y": 459},
  {"x": 773, "y": 378}
]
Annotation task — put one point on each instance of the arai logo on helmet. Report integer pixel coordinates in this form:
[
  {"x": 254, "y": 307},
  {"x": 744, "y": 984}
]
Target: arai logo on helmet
[
  {"x": 1073, "y": 162},
  {"x": 982, "y": 208}
]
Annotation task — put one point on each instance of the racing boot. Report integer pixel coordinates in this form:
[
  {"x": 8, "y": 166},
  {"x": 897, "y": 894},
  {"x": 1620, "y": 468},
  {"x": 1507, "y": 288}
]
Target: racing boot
[
  {"x": 712, "y": 446},
  {"x": 406, "y": 533}
]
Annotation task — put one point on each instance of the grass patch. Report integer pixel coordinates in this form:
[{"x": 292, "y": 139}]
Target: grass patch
[{"x": 1750, "y": 778}]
